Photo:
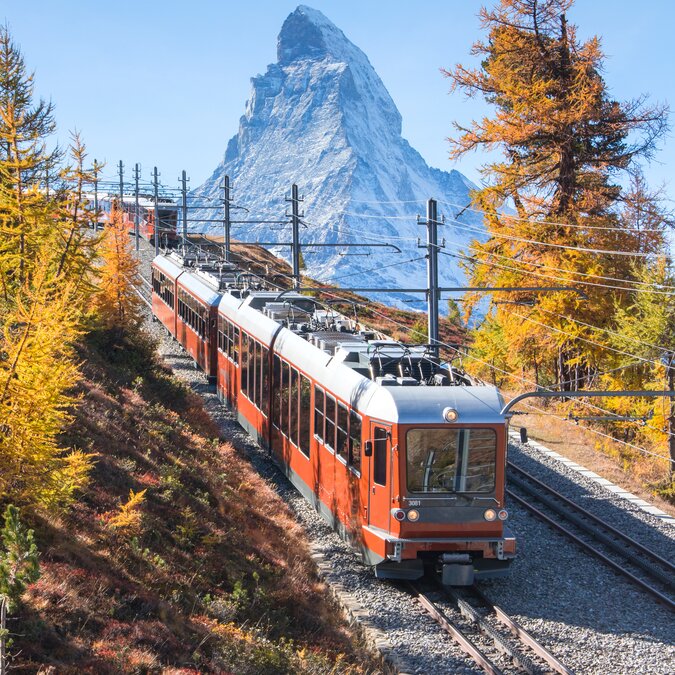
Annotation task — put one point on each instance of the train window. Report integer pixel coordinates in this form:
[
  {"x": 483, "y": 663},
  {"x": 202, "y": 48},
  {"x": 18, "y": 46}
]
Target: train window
[
  {"x": 264, "y": 380},
  {"x": 244, "y": 363},
  {"x": 380, "y": 456},
  {"x": 276, "y": 392},
  {"x": 285, "y": 386},
  {"x": 342, "y": 422},
  {"x": 305, "y": 414},
  {"x": 229, "y": 340},
  {"x": 329, "y": 438},
  {"x": 355, "y": 441},
  {"x": 235, "y": 347},
  {"x": 451, "y": 460},
  {"x": 318, "y": 413},
  {"x": 254, "y": 373},
  {"x": 293, "y": 407},
  {"x": 252, "y": 344}
]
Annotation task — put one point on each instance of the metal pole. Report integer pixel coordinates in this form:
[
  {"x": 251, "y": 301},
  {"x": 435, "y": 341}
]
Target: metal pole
[
  {"x": 432, "y": 272},
  {"x": 653, "y": 393},
  {"x": 295, "y": 221},
  {"x": 156, "y": 220},
  {"x": 120, "y": 171},
  {"x": 137, "y": 215},
  {"x": 227, "y": 223},
  {"x": 183, "y": 189},
  {"x": 96, "y": 170}
]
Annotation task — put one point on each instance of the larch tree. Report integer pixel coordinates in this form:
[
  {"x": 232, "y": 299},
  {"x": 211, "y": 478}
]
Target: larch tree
[
  {"x": 552, "y": 201},
  {"x": 117, "y": 303},
  {"x": 25, "y": 126},
  {"x": 46, "y": 268}
]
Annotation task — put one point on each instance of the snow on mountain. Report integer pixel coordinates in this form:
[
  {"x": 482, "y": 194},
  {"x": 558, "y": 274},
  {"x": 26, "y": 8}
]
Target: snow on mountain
[{"x": 322, "y": 118}]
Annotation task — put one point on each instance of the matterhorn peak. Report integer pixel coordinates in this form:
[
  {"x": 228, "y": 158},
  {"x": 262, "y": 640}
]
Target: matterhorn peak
[
  {"x": 307, "y": 33},
  {"x": 322, "y": 118}
]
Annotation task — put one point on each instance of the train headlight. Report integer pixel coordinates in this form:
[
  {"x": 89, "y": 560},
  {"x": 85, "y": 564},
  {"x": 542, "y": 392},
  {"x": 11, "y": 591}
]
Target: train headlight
[
  {"x": 503, "y": 514},
  {"x": 413, "y": 515},
  {"x": 450, "y": 415},
  {"x": 490, "y": 515},
  {"x": 399, "y": 514}
]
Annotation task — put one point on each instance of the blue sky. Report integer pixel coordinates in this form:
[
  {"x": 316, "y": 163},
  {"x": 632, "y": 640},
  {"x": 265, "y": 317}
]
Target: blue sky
[{"x": 164, "y": 83}]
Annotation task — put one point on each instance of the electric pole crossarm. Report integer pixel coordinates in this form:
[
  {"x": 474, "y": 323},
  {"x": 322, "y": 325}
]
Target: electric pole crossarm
[
  {"x": 651, "y": 393},
  {"x": 290, "y": 243}
]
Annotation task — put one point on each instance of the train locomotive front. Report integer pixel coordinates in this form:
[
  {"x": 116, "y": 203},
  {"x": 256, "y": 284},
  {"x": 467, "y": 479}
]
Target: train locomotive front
[{"x": 435, "y": 475}]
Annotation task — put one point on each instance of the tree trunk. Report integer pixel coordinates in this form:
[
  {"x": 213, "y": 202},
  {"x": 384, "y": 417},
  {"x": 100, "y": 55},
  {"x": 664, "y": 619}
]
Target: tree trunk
[{"x": 3, "y": 621}]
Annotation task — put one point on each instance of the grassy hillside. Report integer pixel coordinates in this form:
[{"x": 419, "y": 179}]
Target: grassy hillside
[{"x": 203, "y": 569}]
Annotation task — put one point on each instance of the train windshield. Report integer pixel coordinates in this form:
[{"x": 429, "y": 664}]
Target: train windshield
[{"x": 451, "y": 460}]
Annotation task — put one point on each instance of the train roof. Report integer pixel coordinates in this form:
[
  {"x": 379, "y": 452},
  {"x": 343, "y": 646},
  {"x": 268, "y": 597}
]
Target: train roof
[
  {"x": 169, "y": 266},
  {"x": 145, "y": 201},
  {"x": 379, "y": 377},
  {"x": 200, "y": 289}
]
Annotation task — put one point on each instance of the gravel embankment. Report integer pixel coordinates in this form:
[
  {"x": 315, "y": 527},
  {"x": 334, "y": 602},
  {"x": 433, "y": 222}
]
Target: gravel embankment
[{"x": 594, "y": 621}]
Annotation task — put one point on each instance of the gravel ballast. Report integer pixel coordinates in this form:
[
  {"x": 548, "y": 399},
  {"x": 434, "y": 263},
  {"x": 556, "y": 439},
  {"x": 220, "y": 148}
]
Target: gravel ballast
[{"x": 590, "y": 618}]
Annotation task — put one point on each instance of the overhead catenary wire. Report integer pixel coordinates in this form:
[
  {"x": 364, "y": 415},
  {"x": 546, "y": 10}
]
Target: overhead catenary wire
[
  {"x": 454, "y": 349},
  {"x": 535, "y": 264},
  {"x": 540, "y": 275},
  {"x": 534, "y": 221}
]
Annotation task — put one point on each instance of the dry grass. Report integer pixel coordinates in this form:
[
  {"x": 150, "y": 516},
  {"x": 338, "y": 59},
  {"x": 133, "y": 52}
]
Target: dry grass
[
  {"x": 214, "y": 575},
  {"x": 636, "y": 473}
]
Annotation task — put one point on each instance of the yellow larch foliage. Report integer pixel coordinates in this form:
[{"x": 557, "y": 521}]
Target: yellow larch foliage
[
  {"x": 117, "y": 305},
  {"x": 37, "y": 373},
  {"x": 128, "y": 517}
]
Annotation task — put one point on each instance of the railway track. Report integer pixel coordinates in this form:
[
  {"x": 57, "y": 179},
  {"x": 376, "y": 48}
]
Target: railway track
[
  {"x": 497, "y": 643},
  {"x": 644, "y": 568},
  {"x": 144, "y": 291}
]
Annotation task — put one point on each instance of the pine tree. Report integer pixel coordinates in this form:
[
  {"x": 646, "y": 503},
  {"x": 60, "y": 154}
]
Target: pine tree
[
  {"x": 19, "y": 566},
  {"x": 564, "y": 143}
]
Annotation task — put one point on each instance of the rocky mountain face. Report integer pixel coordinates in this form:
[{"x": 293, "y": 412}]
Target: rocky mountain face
[{"x": 321, "y": 118}]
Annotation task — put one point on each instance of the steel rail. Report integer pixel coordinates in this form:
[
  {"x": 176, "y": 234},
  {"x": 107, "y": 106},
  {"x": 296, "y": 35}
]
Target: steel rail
[
  {"x": 594, "y": 551},
  {"x": 142, "y": 297},
  {"x": 449, "y": 627},
  {"x": 522, "y": 661},
  {"x": 666, "y": 579},
  {"x": 523, "y": 635}
]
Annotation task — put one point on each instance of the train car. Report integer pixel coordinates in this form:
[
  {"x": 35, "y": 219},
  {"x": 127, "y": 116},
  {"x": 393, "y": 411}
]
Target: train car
[
  {"x": 403, "y": 455},
  {"x": 165, "y": 272},
  {"x": 162, "y": 221}
]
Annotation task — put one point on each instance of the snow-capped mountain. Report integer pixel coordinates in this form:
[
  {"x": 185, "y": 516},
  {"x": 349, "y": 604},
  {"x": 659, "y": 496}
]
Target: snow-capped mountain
[{"x": 321, "y": 118}]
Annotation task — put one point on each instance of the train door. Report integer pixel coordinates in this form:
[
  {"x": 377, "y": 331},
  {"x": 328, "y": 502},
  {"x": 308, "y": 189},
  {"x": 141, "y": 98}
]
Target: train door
[{"x": 379, "y": 476}]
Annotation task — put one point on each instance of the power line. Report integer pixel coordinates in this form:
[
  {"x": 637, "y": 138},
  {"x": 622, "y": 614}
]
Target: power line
[
  {"x": 532, "y": 221},
  {"x": 523, "y": 240},
  {"x": 550, "y": 276}
]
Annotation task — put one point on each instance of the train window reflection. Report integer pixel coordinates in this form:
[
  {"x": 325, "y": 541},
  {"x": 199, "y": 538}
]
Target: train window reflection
[{"x": 451, "y": 460}]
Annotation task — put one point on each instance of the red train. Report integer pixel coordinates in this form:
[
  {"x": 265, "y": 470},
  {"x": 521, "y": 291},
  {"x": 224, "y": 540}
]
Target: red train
[
  {"x": 403, "y": 455},
  {"x": 167, "y": 215}
]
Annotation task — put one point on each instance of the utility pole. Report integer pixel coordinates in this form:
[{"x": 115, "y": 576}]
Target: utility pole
[
  {"x": 137, "y": 214},
  {"x": 227, "y": 200},
  {"x": 184, "y": 181},
  {"x": 433, "y": 291},
  {"x": 120, "y": 171},
  {"x": 96, "y": 169},
  {"x": 155, "y": 184},
  {"x": 295, "y": 221}
]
